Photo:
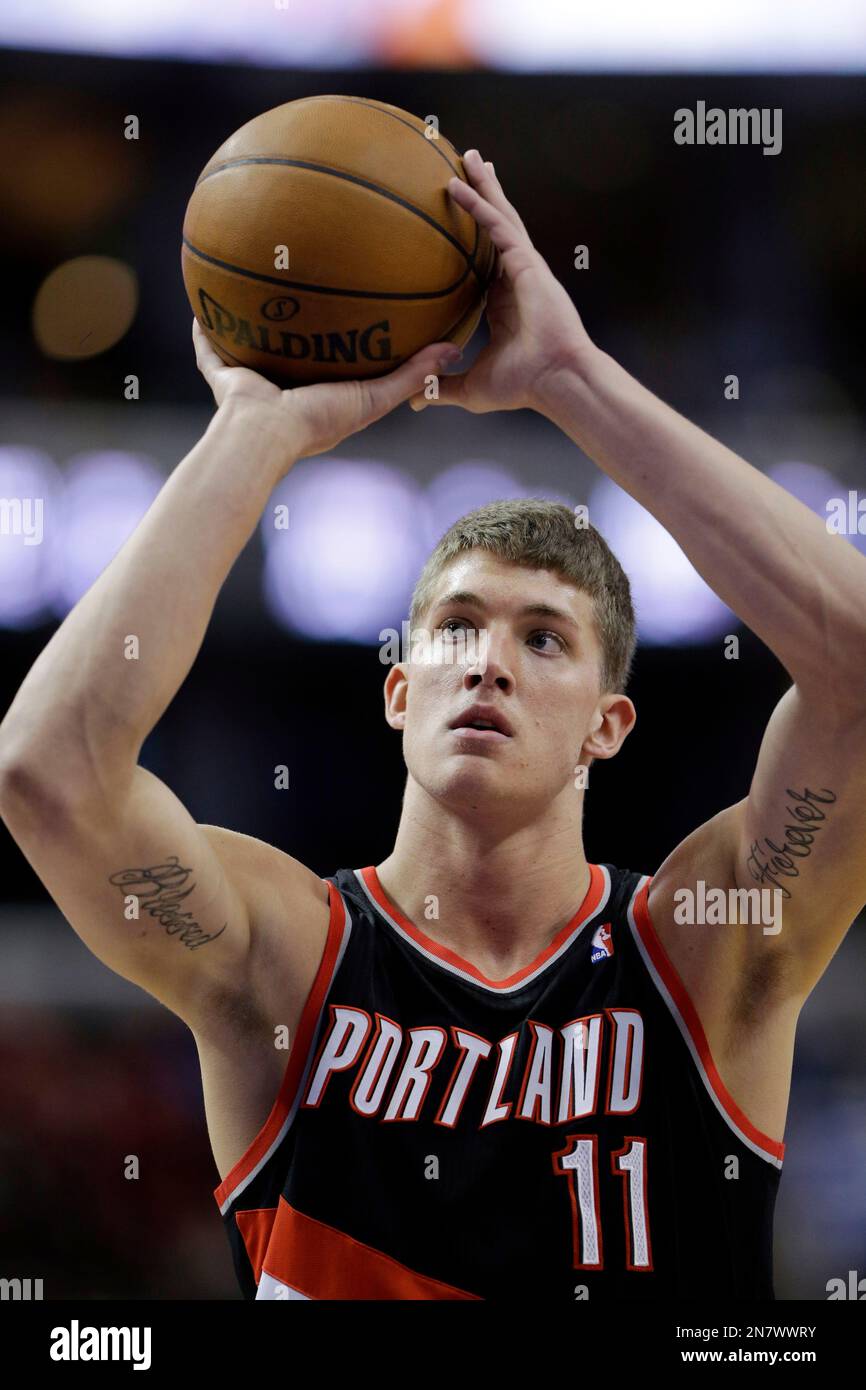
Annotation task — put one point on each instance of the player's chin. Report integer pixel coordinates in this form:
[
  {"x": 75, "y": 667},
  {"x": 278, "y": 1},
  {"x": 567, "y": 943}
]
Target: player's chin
[
  {"x": 464, "y": 779},
  {"x": 482, "y": 766}
]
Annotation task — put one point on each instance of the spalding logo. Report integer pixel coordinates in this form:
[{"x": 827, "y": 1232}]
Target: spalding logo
[
  {"x": 280, "y": 309},
  {"x": 372, "y": 343}
]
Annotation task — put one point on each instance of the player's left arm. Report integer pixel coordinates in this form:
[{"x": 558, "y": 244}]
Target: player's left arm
[
  {"x": 802, "y": 828},
  {"x": 801, "y": 831}
]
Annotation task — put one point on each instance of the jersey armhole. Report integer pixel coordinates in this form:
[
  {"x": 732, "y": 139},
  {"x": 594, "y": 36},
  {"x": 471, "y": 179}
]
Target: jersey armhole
[
  {"x": 685, "y": 1015},
  {"x": 277, "y": 1123}
]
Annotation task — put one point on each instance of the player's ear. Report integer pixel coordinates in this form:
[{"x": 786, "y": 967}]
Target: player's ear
[
  {"x": 396, "y": 688},
  {"x": 612, "y": 722}
]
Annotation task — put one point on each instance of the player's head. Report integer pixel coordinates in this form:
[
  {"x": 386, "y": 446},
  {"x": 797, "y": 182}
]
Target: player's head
[{"x": 528, "y": 613}]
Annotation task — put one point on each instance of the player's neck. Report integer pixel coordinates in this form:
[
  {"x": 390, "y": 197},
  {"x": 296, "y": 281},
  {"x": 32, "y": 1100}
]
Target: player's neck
[{"x": 495, "y": 897}]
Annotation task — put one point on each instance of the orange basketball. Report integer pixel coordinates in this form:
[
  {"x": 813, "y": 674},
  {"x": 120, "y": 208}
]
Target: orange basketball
[{"x": 320, "y": 243}]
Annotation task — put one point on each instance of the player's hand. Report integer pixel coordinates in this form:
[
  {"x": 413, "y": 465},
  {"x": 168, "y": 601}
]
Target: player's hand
[
  {"x": 313, "y": 419},
  {"x": 535, "y": 329}
]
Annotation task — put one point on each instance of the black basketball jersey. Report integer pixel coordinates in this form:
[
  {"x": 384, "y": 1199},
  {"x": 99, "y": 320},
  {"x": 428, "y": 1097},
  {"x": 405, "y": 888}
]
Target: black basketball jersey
[{"x": 562, "y": 1133}]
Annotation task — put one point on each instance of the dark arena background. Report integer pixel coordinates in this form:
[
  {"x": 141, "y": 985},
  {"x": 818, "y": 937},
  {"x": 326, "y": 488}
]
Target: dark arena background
[{"x": 703, "y": 263}]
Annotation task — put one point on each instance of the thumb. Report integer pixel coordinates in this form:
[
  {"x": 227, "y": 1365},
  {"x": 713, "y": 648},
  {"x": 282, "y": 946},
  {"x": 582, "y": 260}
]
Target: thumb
[
  {"x": 412, "y": 377},
  {"x": 448, "y": 390}
]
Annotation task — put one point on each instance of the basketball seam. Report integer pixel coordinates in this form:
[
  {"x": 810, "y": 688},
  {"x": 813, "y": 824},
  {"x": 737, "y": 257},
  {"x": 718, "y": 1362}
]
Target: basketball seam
[
  {"x": 469, "y": 256},
  {"x": 323, "y": 289},
  {"x": 383, "y": 111},
  {"x": 392, "y": 115}
]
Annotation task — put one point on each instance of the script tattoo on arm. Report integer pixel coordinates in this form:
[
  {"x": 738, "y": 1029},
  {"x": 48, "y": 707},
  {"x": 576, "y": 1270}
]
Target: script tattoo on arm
[
  {"x": 160, "y": 889},
  {"x": 768, "y": 862}
]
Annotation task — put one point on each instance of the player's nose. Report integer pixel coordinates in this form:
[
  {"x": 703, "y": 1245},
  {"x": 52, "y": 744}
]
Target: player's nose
[{"x": 491, "y": 667}]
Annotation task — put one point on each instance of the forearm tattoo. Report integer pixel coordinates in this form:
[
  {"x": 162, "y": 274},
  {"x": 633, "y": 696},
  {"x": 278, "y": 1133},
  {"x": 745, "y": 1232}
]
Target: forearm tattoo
[
  {"x": 768, "y": 861},
  {"x": 159, "y": 890}
]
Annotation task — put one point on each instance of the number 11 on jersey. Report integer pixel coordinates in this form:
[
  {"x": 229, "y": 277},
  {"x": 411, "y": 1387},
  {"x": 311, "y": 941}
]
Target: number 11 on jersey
[{"x": 578, "y": 1164}]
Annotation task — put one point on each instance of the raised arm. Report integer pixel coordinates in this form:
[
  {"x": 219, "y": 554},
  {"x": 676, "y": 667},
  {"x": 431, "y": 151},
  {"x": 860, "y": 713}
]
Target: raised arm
[
  {"x": 106, "y": 837},
  {"x": 802, "y": 828}
]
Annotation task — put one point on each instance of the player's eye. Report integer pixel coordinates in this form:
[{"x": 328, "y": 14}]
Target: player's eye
[
  {"x": 547, "y": 636},
  {"x": 448, "y": 627}
]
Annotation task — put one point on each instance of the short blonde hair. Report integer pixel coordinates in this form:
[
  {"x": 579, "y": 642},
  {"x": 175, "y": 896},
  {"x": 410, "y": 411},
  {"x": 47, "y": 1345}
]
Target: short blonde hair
[{"x": 539, "y": 534}]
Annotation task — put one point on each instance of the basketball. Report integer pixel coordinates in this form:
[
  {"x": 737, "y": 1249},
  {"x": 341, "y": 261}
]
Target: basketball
[{"x": 320, "y": 243}]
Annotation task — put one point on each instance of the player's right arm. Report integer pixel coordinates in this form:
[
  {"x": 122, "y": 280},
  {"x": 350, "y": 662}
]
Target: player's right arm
[
  {"x": 98, "y": 829},
  {"x": 174, "y": 906},
  {"x": 167, "y": 903}
]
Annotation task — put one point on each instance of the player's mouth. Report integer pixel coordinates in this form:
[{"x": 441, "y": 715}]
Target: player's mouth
[{"x": 482, "y": 724}]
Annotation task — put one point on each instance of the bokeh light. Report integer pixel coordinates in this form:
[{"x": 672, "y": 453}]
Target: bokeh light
[
  {"x": 673, "y": 604},
  {"x": 345, "y": 565},
  {"x": 105, "y": 496},
  {"x": 460, "y": 489},
  {"x": 29, "y": 487},
  {"x": 84, "y": 307}
]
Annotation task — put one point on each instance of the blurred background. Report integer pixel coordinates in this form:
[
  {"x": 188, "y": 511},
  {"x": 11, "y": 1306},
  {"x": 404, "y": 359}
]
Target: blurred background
[{"x": 702, "y": 262}]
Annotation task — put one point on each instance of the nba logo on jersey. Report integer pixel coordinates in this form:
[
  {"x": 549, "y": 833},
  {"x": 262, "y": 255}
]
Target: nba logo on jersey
[{"x": 602, "y": 943}]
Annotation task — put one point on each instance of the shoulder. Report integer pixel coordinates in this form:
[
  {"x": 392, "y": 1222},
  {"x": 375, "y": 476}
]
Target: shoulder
[{"x": 262, "y": 871}]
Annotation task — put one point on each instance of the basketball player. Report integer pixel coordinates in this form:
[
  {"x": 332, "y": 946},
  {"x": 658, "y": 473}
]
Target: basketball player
[{"x": 511, "y": 1073}]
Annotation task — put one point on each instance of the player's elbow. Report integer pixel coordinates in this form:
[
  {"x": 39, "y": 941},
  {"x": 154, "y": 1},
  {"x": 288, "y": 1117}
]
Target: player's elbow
[{"x": 30, "y": 794}]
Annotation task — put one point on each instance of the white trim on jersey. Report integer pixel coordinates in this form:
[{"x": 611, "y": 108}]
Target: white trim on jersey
[{"x": 686, "y": 1033}]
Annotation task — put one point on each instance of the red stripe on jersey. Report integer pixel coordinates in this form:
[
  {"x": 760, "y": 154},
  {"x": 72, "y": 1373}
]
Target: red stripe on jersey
[
  {"x": 297, "y": 1055},
  {"x": 256, "y": 1228},
  {"x": 679, "y": 994},
  {"x": 435, "y": 948},
  {"x": 321, "y": 1262}
]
